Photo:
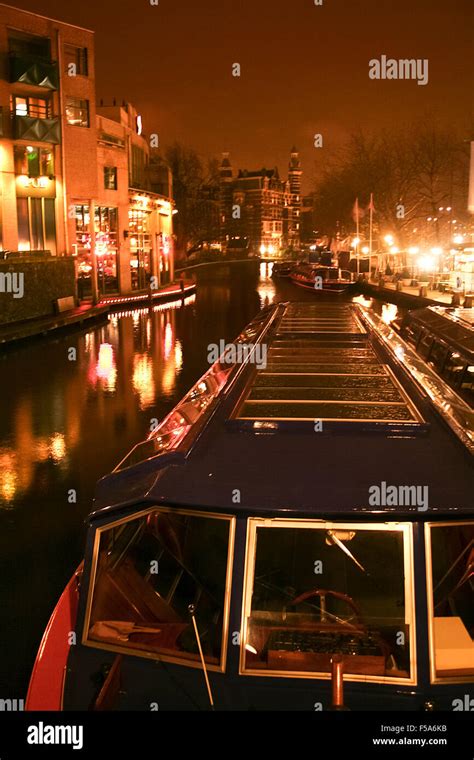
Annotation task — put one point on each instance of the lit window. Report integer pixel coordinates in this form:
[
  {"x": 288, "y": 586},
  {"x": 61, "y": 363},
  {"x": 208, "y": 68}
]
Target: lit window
[
  {"x": 33, "y": 161},
  {"x": 315, "y": 590},
  {"x": 77, "y": 112},
  {"x": 21, "y": 107},
  {"x": 38, "y": 108},
  {"x": 450, "y": 560},
  {"x": 110, "y": 177},
  {"x": 148, "y": 570}
]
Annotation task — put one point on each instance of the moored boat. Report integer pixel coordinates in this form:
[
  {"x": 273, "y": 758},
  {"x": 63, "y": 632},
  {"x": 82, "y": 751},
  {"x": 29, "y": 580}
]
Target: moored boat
[
  {"x": 327, "y": 279},
  {"x": 282, "y": 268},
  {"x": 444, "y": 338},
  {"x": 283, "y": 532}
]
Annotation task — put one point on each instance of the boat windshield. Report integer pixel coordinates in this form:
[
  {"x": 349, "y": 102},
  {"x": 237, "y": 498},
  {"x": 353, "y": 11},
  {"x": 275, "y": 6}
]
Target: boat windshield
[
  {"x": 319, "y": 589},
  {"x": 148, "y": 570},
  {"x": 451, "y": 602}
]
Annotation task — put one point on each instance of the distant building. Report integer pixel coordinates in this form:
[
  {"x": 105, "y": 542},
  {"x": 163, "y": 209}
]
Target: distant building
[
  {"x": 70, "y": 172},
  {"x": 134, "y": 229},
  {"x": 261, "y": 208}
]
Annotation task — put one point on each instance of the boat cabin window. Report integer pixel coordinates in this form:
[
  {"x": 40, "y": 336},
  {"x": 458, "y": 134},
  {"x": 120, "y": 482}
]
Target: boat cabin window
[
  {"x": 454, "y": 368},
  {"x": 424, "y": 346},
  {"x": 450, "y": 558},
  {"x": 148, "y": 570},
  {"x": 412, "y": 332},
  {"x": 467, "y": 385},
  {"x": 437, "y": 355},
  {"x": 314, "y": 590}
]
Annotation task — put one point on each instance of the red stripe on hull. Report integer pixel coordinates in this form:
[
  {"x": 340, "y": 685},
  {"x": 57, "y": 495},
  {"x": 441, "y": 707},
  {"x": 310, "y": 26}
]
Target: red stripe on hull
[{"x": 45, "y": 691}]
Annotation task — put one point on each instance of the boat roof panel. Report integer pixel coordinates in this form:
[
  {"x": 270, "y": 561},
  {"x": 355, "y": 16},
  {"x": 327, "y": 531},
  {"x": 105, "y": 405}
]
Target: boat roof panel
[{"x": 378, "y": 426}]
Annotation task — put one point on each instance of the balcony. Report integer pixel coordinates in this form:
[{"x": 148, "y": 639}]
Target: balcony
[
  {"x": 33, "y": 70},
  {"x": 37, "y": 130}
]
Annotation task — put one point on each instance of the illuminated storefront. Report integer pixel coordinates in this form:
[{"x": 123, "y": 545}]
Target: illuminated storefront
[
  {"x": 106, "y": 226},
  {"x": 35, "y": 199},
  {"x": 140, "y": 242},
  {"x": 463, "y": 275}
]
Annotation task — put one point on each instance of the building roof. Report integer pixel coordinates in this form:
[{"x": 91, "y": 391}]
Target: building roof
[
  {"x": 270, "y": 173},
  {"x": 46, "y": 18}
]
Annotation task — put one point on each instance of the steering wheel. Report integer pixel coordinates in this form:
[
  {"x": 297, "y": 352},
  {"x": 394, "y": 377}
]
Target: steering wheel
[{"x": 359, "y": 626}]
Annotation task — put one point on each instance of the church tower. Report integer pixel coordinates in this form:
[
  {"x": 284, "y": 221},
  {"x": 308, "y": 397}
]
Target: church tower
[
  {"x": 295, "y": 174},
  {"x": 226, "y": 190}
]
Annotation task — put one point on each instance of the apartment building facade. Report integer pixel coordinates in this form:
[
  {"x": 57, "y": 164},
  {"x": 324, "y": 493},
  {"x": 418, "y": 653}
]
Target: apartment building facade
[
  {"x": 261, "y": 208},
  {"x": 72, "y": 181}
]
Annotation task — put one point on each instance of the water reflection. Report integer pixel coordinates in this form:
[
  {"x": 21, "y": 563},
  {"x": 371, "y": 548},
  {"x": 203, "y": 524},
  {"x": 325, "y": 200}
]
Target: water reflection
[
  {"x": 363, "y": 301},
  {"x": 86, "y": 388},
  {"x": 266, "y": 287},
  {"x": 389, "y": 313}
]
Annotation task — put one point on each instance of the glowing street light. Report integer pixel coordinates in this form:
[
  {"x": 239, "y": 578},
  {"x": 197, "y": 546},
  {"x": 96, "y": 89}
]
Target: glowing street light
[
  {"x": 365, "y": 249},
  {"x": 458, "y": 239},
  {"x": 427, "y": 263},
  {"x": 413, "y": 250},
  {"x": 389, "y": 239},
  {"x": 355, "y": 242}
]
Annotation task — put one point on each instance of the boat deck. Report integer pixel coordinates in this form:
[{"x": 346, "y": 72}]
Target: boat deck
[
  {"x": 259, "y": 439},
  {"x": 321, "y": 366}
]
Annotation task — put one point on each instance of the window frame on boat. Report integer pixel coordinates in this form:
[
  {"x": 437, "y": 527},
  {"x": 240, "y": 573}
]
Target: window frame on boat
[
  {"x": 406, "y": 528},
  {"x": 149, "y": 655},
  {"x": 434, "y": 678}
]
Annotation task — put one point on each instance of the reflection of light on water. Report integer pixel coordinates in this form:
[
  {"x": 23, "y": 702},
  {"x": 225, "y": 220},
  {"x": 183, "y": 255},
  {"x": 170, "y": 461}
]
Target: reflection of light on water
[
  {"x": 8, "y": 476},
  {"x": 106, "y": 368},
  {"x": 389, "y": 312},
  {"x": 178, "y": 355},
  {"x": 42, "y": 450},
  {"x": 266, "y": 287},
  {"x": 143, "y": 381},
  {"x": 168, "y": 340},
  {"x": 159, "y": 307},
  {"x": 365, "y": 302},
  {"x": 168, "y": 378},
  {"x": 58, "y": 447}
]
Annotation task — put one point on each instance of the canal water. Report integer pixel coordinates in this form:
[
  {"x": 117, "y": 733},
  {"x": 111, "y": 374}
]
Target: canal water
[{"x": 70, "y": 409}]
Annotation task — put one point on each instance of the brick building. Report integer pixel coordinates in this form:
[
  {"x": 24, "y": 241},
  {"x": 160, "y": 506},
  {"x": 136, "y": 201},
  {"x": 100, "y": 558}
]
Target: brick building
[
  {"x": 261, "y": 208},
  {"x": 74, "y": 179}
]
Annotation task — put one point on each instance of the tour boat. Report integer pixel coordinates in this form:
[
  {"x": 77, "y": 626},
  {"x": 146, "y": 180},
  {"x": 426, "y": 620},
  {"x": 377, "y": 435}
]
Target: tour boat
[
  {"x": 298, "y": 534},
  {"x": 319, "y": 278},
  {"x": 444, "y": 337},
  {"x": 282, "y": 268}
]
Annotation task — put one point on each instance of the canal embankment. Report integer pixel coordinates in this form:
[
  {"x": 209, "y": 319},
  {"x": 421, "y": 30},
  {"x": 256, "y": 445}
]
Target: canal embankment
[
  {"x": 414, "y": 297},
  {"x": 87, "y": 314}
]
